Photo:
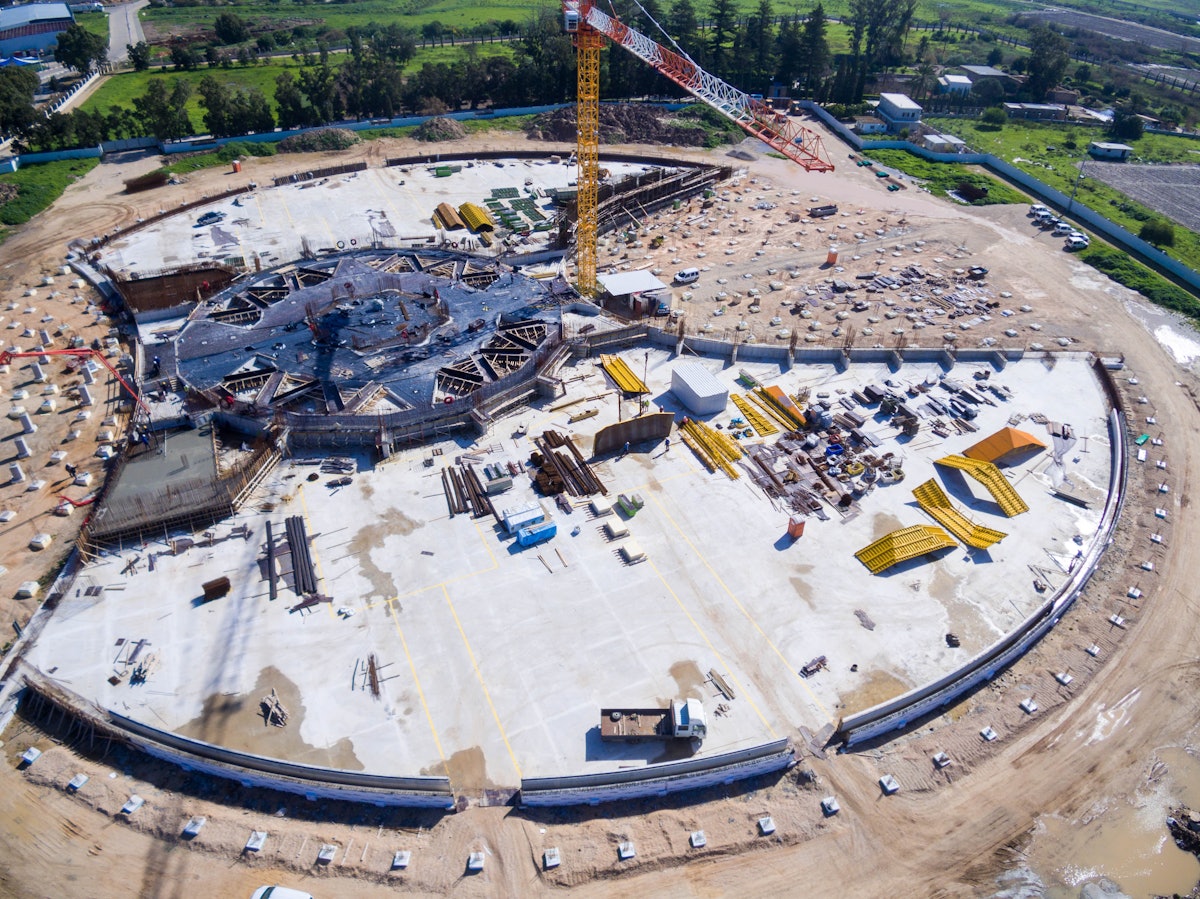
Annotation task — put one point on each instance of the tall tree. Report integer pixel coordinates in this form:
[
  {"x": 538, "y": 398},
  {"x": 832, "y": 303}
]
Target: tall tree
[
  {"x": 814, "y": 56},
  {"x": 163, "y": 110},
  {"x": 17, "y": 87},
  {"x": 684, "y": 26},
  {"x": 760, "y": 46},
  {"x": 319, "y": 85},
  {"x": 293, "y": 113},
  {"x": 79, "y": 49},
  {"x": 1049, "y": 55},
  {"x": 139, "y": 55},
  {"x": 720, "y": 37},
  {"x": 230, "y": 28}
]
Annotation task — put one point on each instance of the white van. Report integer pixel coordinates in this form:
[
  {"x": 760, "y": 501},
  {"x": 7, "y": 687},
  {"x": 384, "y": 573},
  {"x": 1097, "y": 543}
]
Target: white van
[
  {"x": 687, "y": 276},
  {"x": 1037, "y": 209},
  {"x": 1077, "y": 242}
]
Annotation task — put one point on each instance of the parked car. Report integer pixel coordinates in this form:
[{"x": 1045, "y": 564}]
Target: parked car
[
  {"x": 1076, "y": 242},
  {"x": 1038, "y": 208},
  {"x": 210, "y": 218},
  {"x": 1062, "y": 229}
]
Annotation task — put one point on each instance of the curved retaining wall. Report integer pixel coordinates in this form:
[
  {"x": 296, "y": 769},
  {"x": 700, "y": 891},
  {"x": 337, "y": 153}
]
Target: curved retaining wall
[
  {"x": 307, "y": 780},
  {"x": 657, "y": 780},
  {"x": 900, "y": 712}
]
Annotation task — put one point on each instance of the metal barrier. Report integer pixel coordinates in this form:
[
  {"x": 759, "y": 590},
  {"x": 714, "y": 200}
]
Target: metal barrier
[
  {"x": 657, "y": 780},
  {"x": 898, "y": 713}
]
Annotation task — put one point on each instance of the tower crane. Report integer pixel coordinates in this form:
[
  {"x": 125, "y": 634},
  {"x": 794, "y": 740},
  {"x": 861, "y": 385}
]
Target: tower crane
[{"x": 590, "y": 26}]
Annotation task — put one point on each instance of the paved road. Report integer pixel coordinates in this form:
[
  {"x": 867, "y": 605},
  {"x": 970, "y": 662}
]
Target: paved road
[{"x": 124, "y": 28}]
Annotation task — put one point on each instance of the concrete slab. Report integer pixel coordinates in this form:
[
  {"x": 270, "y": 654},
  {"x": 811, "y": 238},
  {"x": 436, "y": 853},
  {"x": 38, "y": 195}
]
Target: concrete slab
[
  {"x": 379, "y": 206},
  {"x": 494, "y": 663}
]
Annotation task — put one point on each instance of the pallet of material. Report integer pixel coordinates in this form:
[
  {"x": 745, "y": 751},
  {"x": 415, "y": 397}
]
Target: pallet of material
[
  {"x": 632, "y": 553},
  {"x": 616, "y": 529}
]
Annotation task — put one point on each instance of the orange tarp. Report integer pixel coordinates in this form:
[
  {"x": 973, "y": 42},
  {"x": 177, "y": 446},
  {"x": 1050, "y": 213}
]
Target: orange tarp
[{"x": 1000, "y": 444}]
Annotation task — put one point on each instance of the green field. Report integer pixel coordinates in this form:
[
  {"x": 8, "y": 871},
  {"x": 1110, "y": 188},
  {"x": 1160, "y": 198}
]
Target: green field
[
  {"x": 120, "y": 90},
  {"x": 341, "y": 16},
  {"x": 942, "y": 177},
  {"x": 93, "y": 22},
  {"x": 38, "y": 187},
  {"x": 1042, "y": 151}
]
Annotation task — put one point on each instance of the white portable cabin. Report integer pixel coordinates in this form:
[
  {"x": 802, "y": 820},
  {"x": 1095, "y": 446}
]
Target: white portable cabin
[{"x": 698, "y": 389}]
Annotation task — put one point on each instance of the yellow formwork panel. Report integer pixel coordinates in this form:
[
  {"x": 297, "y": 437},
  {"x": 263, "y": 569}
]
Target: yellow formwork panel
[
  {"x": 902, "y": 545},
  {"x": 779, "y": 402},
  {"x": 993, "y": 479},
  {"x": 716, "y": 450},
  {"x": 933, "y": 500},
  {"x": 623, "y": 375},
  {"x": 766, "y": 406},
  {"x": 758, "y": 421}
]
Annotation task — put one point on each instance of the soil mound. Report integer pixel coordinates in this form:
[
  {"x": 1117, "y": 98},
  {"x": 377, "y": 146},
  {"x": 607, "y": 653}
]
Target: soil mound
[
  {"x": 439, "y": 129},
  {"x": 627, "y": 123}
]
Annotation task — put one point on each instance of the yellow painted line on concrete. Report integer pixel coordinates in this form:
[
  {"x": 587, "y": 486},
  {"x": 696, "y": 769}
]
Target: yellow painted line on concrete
[
  {"x": 416, "y": 680},
  {"x": 775, "y": 649},
  {"x": 705, "y": 638},
  {"x": 483, "y": 685},
  {"x": 286, "y": 211},
  {"x": 442, "y": 584}
]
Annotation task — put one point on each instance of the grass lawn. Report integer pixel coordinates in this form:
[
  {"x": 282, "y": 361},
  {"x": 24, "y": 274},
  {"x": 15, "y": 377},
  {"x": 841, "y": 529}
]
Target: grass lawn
[
  {"x": 93, "y": 22},
  {"x": 121, "y": 89},
  {"x": 37, "y": 187},
  {"x": 460, "y": 14},
  {"x": 1039, "y": 149},
  {"x": 942, "y": 177}
]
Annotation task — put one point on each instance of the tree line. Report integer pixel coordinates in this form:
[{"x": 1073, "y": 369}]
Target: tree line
[{"x": 368, "y": 80}]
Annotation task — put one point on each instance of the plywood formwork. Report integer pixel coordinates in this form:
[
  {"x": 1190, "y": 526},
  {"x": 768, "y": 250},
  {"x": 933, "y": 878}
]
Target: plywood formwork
[
  {"x": 933, "y": 500},
  {"x": 902, "y": 545},
  {"x": 993, "y": 479}
]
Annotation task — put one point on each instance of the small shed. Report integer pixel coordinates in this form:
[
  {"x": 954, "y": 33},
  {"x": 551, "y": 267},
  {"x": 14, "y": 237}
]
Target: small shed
[
  {"x": 523, "y": 516},
  {"x": 954, "y": 84},
  {"x": 1099, "y": 149},
  {"x": 698, "y": 389},
  {"x": 640, "y": 291}
]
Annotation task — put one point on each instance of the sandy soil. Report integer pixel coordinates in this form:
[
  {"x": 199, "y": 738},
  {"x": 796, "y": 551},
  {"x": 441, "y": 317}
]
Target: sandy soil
[{"x": 945, "y": 834}]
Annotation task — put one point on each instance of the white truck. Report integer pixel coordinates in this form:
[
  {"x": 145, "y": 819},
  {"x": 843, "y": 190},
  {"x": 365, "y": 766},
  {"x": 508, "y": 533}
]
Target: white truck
[{"x": 684, "y": 720}]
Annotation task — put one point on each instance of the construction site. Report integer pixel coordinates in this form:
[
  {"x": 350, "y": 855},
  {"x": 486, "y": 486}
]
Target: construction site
[{"x": 548, "y": 480}]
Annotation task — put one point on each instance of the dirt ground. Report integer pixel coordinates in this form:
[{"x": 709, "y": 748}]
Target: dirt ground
[{"x": 945, "y": 834}]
